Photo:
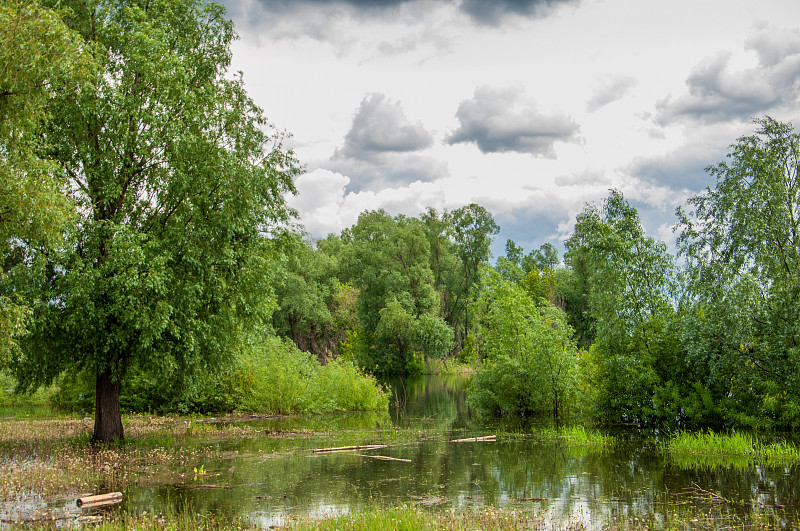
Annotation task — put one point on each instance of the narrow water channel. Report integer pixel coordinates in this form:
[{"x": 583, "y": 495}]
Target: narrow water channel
[{"x": 271, "y": 478}]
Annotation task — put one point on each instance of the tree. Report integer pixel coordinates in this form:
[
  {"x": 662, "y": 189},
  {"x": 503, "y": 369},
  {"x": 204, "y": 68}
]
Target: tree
[
  {"x": 448, "y": 279},
  {"x": 545, "y": 257},
  {"x": 38, "y": 53},
  {"x": 473, "y": 227},
  {"x": 531, "y": 359},
  {"x": 629, "y": 281},
  {"x": 398, "y": 307},
  {"x": 741, "y": 241},
  {"x": 305, "y": 292},
  {"x": 179, "y": 185}
]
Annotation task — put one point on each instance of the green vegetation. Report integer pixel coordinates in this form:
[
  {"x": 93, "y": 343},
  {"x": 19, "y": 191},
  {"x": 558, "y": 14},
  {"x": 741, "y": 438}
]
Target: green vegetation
[
  {"x": 735, "y": 447},
  {"x": 411, "y": 518},
  {"x": 577, "y": 436},
  {"x": 530, "y": 360},
  {"x": 151, "y": 263}
]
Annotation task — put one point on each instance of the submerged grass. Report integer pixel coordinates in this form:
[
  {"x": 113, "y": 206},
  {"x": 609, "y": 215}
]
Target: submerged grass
[
  {"x": 734, "y": 449},
  {"x": 577, "y": 436}
]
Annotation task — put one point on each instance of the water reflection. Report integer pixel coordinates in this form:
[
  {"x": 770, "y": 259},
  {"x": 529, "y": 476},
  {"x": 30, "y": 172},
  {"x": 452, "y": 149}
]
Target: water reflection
[{"x": 273, "y": 477}]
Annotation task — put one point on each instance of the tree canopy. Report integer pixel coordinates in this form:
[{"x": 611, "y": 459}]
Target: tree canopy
[
  {"x": 741, "y": 240},
  {"x": 178, "y": 182},
  {"x": 39, "y": 54}
]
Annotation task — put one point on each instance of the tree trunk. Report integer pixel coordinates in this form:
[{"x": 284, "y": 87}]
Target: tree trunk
[{"x": 107, "y": 416}]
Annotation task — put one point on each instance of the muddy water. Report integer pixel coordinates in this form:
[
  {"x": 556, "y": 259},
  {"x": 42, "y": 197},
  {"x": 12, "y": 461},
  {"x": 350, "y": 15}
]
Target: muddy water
[{"x": 270, "y": 478}]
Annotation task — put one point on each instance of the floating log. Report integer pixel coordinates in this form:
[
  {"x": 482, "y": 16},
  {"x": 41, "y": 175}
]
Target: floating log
[
  {"x": 477, "y": 439},
  {"x": 99, "y": 500},
  {"x": 349, "y": 448},
  {"x": 531, "y": 499},
  {"x": 385, "y": 458}
]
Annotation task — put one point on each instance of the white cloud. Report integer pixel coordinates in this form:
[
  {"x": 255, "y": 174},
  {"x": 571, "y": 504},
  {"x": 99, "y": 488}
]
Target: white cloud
[{"x": 582, "y": 113}]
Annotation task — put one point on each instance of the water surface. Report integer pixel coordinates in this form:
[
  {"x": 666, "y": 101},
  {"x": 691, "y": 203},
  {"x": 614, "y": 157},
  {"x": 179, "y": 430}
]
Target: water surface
[{"x": 272, "y": 477}]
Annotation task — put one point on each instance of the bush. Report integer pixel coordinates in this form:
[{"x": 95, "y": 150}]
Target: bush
[
  {"x": 276, "y": 377},
  {"x": 269, "y": 377}
]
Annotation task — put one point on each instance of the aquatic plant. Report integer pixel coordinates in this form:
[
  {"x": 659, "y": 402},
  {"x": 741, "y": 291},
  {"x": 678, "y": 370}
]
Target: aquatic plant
[{"x": 710, "y": 449}]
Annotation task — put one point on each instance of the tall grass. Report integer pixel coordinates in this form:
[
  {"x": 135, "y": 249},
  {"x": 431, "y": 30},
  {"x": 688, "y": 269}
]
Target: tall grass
[
  {"x": 276, "y": 377},
  {"x": 734, "y": 448},
  {"x": 576, "y": 436}
]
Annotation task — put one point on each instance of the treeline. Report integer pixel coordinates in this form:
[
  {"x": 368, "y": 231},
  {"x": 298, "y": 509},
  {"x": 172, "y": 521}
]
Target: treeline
[
  {"x": 147, "y": 261},
  {"x": 621, "y": 331},
  {"x": 389, "y": 292},
  {"x": 142, "y": 207}
]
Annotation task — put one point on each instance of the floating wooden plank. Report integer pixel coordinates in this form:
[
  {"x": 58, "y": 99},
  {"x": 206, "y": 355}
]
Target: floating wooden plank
[
  {"x": 385, "y": 458},
  {"x": 99, "y": 500},
  {"x": 350, "y": 448},
  {"x": 477, "y": 439}
]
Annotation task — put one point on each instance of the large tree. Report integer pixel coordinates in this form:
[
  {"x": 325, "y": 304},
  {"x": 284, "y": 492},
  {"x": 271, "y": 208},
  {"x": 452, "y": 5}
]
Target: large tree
[
  {"x": 179, "y": 183},
  {"x": 38, "y": 53},
  {"x": 473, "y": 228},
  {"x": 741, "y": 241},
  {"x": 629, "y": 283},
  {"x": 398, "y": 306}
]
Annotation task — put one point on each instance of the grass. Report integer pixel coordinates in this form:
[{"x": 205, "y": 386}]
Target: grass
[
  {"x": 415, "y": 518},
  {"x": 447, "y": 366},
  {"x": 52, "y": 457},
  {"x": 576, "y": 436},
  {"x": 711, "y": 449}
]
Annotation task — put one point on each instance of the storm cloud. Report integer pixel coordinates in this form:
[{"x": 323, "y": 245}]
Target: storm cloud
[
  {"x": 493, "y": 12},
  {"x": 718, "y": 92},
  {"x": 504, "y": 120},
  {"x": 479, "y": 11}
]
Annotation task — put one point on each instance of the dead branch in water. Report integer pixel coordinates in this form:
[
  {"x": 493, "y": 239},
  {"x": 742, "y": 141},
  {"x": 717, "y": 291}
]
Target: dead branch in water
[
  {"x": 385, "y": 458},
  {"x": 477, "y": 439},
  {"x": 349, "y": 448}
]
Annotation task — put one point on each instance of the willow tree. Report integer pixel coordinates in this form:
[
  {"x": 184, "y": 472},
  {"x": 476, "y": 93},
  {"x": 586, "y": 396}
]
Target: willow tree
[
  {"x": 37, "y": 52},
  {"x": 179, "y": 183},
  {"x": 741, "y": 241}
]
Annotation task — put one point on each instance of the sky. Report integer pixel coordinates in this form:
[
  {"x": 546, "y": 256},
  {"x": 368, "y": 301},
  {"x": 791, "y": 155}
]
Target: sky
[{"x": 530, "y": 108}]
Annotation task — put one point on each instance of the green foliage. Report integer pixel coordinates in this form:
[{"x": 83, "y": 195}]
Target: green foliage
[
  {"x": 740, "y": 241},
  {"x": 531, "y": 362},
  {"x": 472, "y": 229},
  {"x": 444, "y": 263},
  {"x": 38, "y": 54},
  {"x": 306, "y": 290},
  {"x": 276, "y": 377},
  {"x": 540, "y": 284},
  {"x": 267, "y": 377},
  {"x": 628, "y": 280},
  {"x": 14, "y": 404},
  {"x": 398, "y": 306},
  {"x": 177, "y": 178}
]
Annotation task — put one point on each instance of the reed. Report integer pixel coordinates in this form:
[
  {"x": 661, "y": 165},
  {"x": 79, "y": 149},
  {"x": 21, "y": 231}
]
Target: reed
[
  {"x": 732, "y": 448},
  {"x": 576, "y": 436}
]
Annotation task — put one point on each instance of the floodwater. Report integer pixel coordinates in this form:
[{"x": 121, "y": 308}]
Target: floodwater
[{"x": 272, "y": 478}]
